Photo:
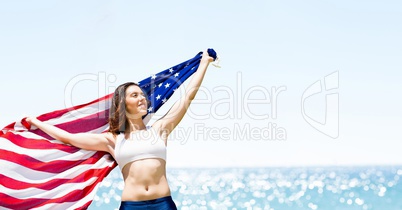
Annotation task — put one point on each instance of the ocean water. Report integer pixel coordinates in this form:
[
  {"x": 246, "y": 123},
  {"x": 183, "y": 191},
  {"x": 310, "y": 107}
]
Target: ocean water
[{"x": 369, "y": 187}]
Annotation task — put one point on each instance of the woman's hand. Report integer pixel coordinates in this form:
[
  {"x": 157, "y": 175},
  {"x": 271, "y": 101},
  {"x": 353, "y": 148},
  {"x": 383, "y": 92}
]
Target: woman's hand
[
  {"x": 206, "y": 58},
  {"x": 30, "y": 120}
]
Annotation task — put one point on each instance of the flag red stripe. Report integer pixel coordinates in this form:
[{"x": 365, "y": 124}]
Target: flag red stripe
[
  {"x": 30, "y": 143},
  {"x": 15, "y": 203},
  {"x": 85, "y": 124},
  {"x": 56, "y": 166},
  {"x": 20, "y": 185},
  {"x": 59, "y": 113}
]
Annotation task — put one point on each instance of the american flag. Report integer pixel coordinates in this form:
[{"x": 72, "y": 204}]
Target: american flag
[{"x": 38, "y": 172}]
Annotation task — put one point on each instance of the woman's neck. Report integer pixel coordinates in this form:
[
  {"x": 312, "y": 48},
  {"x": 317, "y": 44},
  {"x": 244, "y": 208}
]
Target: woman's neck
[{"x": 136, "y": 124}]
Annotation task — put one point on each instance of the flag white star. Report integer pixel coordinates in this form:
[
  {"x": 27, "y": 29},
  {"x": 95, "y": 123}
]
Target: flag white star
[
  {"x": 176, "y": 75},
  {"x": 167, "y": 85},
  {"x": 160, "y": 84},
  {"x": 153, "y": 76},
  {"x": 170, "y": 70},
  {"x": 164, "y": 100},
  {"x": 158, "y": 97},
  {"x": 150, "y": 109}
]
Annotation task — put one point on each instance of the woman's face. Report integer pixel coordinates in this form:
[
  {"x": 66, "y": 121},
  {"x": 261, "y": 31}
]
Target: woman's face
[{"x": 136, "y": 102}]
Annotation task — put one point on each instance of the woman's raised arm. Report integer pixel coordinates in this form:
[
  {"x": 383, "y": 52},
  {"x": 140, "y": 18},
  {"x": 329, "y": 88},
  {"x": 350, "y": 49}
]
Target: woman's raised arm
[{"x": 172, "y": 118}]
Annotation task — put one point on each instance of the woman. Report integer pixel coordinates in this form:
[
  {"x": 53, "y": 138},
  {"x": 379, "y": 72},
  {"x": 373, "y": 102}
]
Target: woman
[{"x": 140, "y": 151}]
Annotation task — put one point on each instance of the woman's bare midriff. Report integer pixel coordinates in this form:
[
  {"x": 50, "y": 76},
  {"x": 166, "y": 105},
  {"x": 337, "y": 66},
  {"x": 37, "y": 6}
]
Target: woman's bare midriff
[{"x": 145, "y": 180}]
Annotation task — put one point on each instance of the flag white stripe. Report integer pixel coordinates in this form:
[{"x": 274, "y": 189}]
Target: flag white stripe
[
  {"x": 81, "y": 113},
  {"x": 46, "y": 155},
  {"x": 56, "y": 192},
  {"x": 32, "y": 176},
  {"x": 70, "y": 205},
  {"x": 34, "y": 136}
]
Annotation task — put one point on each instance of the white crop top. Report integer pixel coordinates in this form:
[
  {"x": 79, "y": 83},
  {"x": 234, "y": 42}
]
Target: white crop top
[{"x": 141, "y": 145}]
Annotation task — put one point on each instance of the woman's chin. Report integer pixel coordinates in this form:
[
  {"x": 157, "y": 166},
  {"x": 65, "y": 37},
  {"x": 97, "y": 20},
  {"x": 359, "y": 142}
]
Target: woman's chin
[
  {"x": 144, "y": 112},
  {"x": 141, "y": 113}
]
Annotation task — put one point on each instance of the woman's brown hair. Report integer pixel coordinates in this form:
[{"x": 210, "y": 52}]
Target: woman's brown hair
[{"x": 117, "y": 112}]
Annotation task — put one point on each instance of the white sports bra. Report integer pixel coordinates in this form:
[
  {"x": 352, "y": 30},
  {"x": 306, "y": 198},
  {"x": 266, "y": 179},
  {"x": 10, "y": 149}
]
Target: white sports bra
[{"x": 139, "y": 146}]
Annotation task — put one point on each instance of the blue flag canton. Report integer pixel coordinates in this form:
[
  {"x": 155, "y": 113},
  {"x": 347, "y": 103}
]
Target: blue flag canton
[{"x": 161, "y": 86}]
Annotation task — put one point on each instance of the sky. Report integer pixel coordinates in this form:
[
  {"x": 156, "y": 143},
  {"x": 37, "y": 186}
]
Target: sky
[{"x": 300, "y": 84}]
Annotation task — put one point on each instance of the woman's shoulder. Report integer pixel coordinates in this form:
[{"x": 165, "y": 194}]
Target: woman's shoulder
[
  {"x": 110, "y": 136},
  {"x": 157, "y": 129}
]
